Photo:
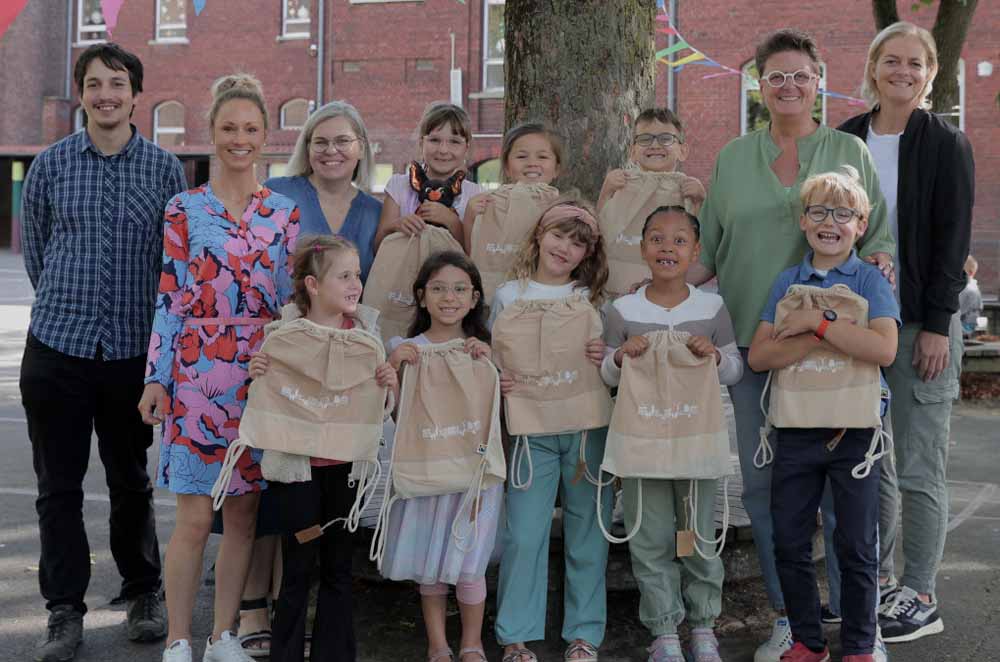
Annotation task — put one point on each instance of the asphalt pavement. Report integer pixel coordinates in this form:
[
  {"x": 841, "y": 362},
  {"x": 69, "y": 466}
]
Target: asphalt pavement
[{"x": 388, "y": 615}]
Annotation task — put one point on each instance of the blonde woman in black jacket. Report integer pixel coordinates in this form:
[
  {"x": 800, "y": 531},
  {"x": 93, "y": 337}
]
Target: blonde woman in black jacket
[{"x": 926, "y": 173}]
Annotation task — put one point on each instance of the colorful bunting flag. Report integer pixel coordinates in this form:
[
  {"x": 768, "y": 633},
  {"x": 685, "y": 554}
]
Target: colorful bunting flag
[
  {"x": 199, "y": 5},
  {"x": 9, "y": 9},
  {"x": 670, "y": 50},
  {"x": 110, "y": 9}
]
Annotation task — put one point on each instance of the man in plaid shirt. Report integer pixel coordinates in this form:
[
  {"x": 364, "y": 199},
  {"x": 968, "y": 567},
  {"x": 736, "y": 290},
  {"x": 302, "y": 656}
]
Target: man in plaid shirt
[{"x": 92, "y": 223}]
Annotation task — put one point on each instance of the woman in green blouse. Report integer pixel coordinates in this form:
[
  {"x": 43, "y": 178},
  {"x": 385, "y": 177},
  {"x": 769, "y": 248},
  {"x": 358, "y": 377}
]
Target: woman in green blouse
[{"x": 750, "y": 233}]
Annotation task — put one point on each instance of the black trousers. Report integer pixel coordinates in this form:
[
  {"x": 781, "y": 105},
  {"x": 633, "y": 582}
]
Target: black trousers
[
  {"x": 302, "y": 505},
  {"x": 802, "y": 464},
  {"x": 66, "y": 399}
]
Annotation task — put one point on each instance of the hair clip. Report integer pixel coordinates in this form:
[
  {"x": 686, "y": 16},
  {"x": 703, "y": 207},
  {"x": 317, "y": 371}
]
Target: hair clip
[{"x": 318, "y": 249}]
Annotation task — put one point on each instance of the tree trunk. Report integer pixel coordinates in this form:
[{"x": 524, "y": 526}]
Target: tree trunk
[
  {"x": 950, "y": 30},
  {"x": 587, "y": 68},
  {"x": 885, "y": 13}
]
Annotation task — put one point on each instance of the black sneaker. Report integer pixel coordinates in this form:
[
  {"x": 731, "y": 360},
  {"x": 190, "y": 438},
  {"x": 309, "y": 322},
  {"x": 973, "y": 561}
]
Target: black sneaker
[
  {"x": 65, "y": 633},
  {"x": 828, "y": 616},
  {"x": 908, "y": 618},
  {"x": 146, "y": 620},
  {"x": 886, "y": 592}
]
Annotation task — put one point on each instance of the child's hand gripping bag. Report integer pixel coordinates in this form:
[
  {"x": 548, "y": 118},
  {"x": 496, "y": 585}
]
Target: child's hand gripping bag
[
  {"x": 390, "y": 281},
  {"x": 826, "y": 388},
  {"x": 447, "y": 435},
  {"x": 621, "y": 220},
  {"x": 509, "y": 219},
  {"x": 668, "y": 421}
]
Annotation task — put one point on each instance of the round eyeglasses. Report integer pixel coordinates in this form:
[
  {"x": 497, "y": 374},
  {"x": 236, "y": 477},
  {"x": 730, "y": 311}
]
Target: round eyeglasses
[
  {"x": 778, "y": 78},
  {"x": 841, "y": 215},
  {"x": 664, "y": 139},
  {"x": 340, "y": 143}
]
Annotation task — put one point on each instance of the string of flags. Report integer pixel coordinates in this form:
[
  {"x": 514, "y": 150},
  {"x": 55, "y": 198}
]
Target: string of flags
[{"x": 697, "y": 57}]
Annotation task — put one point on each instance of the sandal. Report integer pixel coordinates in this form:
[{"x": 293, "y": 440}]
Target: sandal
[
  {"x": 473, "y": 651},
  {"x": 256, "y": 644},
  {"x": 580, "y": 646},
  {"x": 443, "y": 654},
  {"x": 520, "y": 655}
]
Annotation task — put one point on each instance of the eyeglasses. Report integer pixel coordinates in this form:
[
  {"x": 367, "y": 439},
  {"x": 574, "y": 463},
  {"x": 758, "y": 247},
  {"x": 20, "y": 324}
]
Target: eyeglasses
[
  {"x": 778, "y": 78},
  {"x": 841, "y": 215},
  {"x": 664, "y": 139},
  {"x": 340, "y": 143},
  {"x": 440, "y": 289},
  {"x": 454, "y": 143}
]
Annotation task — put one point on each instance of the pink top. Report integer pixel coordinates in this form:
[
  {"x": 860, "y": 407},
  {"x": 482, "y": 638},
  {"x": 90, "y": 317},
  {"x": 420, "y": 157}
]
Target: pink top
[{"x": 398, "y": 188}]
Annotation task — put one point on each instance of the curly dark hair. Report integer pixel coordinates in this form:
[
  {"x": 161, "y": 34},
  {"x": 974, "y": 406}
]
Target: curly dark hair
[{"x": 474, "y": 323}]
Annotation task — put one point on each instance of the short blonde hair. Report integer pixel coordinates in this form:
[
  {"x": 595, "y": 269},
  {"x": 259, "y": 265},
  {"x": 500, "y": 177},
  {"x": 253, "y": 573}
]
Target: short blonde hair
[
  {"x": 839, "y": 188},
  {"x": 236, "y": 86},
  {"x": 298, "y": 163},
  {"x": 869, "y": 90}
]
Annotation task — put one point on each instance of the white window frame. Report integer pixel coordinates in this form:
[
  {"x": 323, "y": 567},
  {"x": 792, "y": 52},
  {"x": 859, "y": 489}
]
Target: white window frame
[
  {"x": 961, "y": 96},
  {"x": 80, "y": 40},
  {"x": 79, "y": 116},
  {"x": 170, "y": 26},
  {"x": 488, "y": 60},
  {"x": 167, "y": 130},
  {"x": 288, "y": 27},
  {"x": 748, "y": 84},
  {"x": 281, "y": 114}
]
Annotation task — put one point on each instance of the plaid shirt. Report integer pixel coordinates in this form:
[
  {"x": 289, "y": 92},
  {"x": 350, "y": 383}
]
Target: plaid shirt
[{"x": 92, "y": 233}]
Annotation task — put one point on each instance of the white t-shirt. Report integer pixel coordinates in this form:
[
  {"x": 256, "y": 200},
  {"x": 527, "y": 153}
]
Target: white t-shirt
[
  {"x": 513, "y": 290},
  {"x": 885, "y": 154}
]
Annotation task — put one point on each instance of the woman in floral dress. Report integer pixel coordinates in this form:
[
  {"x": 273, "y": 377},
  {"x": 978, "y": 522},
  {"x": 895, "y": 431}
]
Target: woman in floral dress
[{"x": 226, "y": 272}]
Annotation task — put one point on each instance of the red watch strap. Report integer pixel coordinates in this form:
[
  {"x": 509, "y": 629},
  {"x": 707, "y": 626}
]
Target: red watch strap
[{"x": 821, "y": 329}]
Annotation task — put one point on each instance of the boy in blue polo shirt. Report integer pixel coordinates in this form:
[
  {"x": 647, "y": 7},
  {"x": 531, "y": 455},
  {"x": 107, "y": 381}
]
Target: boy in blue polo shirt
[{"x": 835, "y": 215}]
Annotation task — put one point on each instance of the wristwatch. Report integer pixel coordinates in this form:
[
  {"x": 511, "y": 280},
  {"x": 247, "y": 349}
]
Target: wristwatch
[{"x": 828, "y": 317}]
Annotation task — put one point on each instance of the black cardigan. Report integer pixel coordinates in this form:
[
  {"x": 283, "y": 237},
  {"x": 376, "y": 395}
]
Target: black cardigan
[{"x": 934, "y": 211}]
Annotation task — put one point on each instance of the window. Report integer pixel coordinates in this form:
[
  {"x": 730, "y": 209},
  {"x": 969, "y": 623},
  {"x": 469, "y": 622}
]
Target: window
[
  {"x": 956, "y": 115},
  {"x": 171, "y": 20},
  {"x": 90, "y": 27},
  {"x": 351, "y": 66},
  {"x": 79, "y": 119},
  {"x": 753, "y": 112},
  {"x": 488, "y": 174},
  {"x": 383, "y": 171},
  {"x": 295, "y": 18},
  {"x": 294, "y": 114},
  {"x": 277, "y": 169},
  {"x": 168, "y": 124},
  {"x": 493, "y": 45}
]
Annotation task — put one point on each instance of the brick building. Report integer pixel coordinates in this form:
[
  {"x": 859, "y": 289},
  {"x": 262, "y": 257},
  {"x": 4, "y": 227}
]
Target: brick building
[{"x": 392, "y": 57}]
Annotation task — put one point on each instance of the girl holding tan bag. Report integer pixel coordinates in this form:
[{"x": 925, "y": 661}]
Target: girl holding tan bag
[
  {"x": 419, "y": 543},
  {"x": 547, "y": 341},
  {"x": 671, "y": 451},
  {"x": 327, "y": 291}
]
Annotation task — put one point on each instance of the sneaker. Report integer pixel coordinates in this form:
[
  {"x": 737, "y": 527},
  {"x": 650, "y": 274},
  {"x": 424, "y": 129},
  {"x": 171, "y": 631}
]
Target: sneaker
[
  {"x": 179, "y": 651},
  {"x": 780, "y": 641},
  {"x": 226, "y": 649},
  {"x": 146, "y": 620},
  {"x": 886, "y": 593},
  {"x": 907, "y": 618},
  {"x": 880, "y": 653},
  {"x": 828, "y": 616},
  {"x": 704, "y": 645},
  {"x": 64, "y": 635},
  {"x": 801, "y": 653},
  {"x": 666, "y": 648}
]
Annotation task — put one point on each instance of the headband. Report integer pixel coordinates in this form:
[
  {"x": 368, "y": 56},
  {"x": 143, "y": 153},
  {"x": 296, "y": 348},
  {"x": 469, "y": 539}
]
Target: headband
[{"x": 565, "y": 212}]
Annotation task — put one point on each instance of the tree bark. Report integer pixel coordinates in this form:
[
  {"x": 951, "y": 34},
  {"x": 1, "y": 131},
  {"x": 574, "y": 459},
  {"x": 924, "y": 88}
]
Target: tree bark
[
  {"x": 885, "y": 13},
  {"x": 950, "y": 30},
  {"x": 585, "y": 67}
]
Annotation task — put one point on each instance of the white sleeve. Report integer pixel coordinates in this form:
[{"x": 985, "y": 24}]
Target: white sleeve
[
  {"x": 731, "y": 365},
  {"x": 610, "y": 372}
]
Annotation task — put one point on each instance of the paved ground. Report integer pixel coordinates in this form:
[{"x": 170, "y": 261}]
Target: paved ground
[{"x": 388, "y": 616}]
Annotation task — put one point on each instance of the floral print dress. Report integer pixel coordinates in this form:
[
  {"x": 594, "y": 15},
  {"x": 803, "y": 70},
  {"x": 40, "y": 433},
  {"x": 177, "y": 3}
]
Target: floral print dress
[{"x": 222, "y": 280}]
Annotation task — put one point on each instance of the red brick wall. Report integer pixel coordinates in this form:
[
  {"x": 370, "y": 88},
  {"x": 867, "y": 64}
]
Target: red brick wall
[{"x": 729, "y": 31}]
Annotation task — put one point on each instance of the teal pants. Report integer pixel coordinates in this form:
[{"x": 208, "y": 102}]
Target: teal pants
[
  {"x": 671, "y": 588},
  {"x": 524, "y": 568}
]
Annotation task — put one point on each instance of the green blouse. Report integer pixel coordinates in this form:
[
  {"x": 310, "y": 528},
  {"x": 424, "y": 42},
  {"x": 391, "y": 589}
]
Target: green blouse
[{"x": 750, "y": 221}]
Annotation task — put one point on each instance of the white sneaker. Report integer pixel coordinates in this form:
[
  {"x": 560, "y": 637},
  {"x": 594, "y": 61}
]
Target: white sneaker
[
  {"x": 179, "y": 651},
  {"x": 780, "y": 641},
  {"x": 880, "y": 653},
  {"x": 227, "y": 649}
]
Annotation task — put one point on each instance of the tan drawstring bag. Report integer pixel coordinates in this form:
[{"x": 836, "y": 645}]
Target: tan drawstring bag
[
  {"x": 390, "y": 282},
  {"x": 447, "y": 436},
  {"x": 318, "y": 398},
  {"x": 498, "y": 233},
  {"x": 543, "y": 343},
  {"x": 621, "y": 221},
  {"x": 668, "y": 421},
  {"x": 827, "y": 388}
]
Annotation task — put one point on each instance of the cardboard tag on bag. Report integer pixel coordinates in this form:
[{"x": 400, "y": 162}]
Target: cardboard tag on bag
[
  {"x": 308, "y": 535},
  {"x": 685, "y": 543}
]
